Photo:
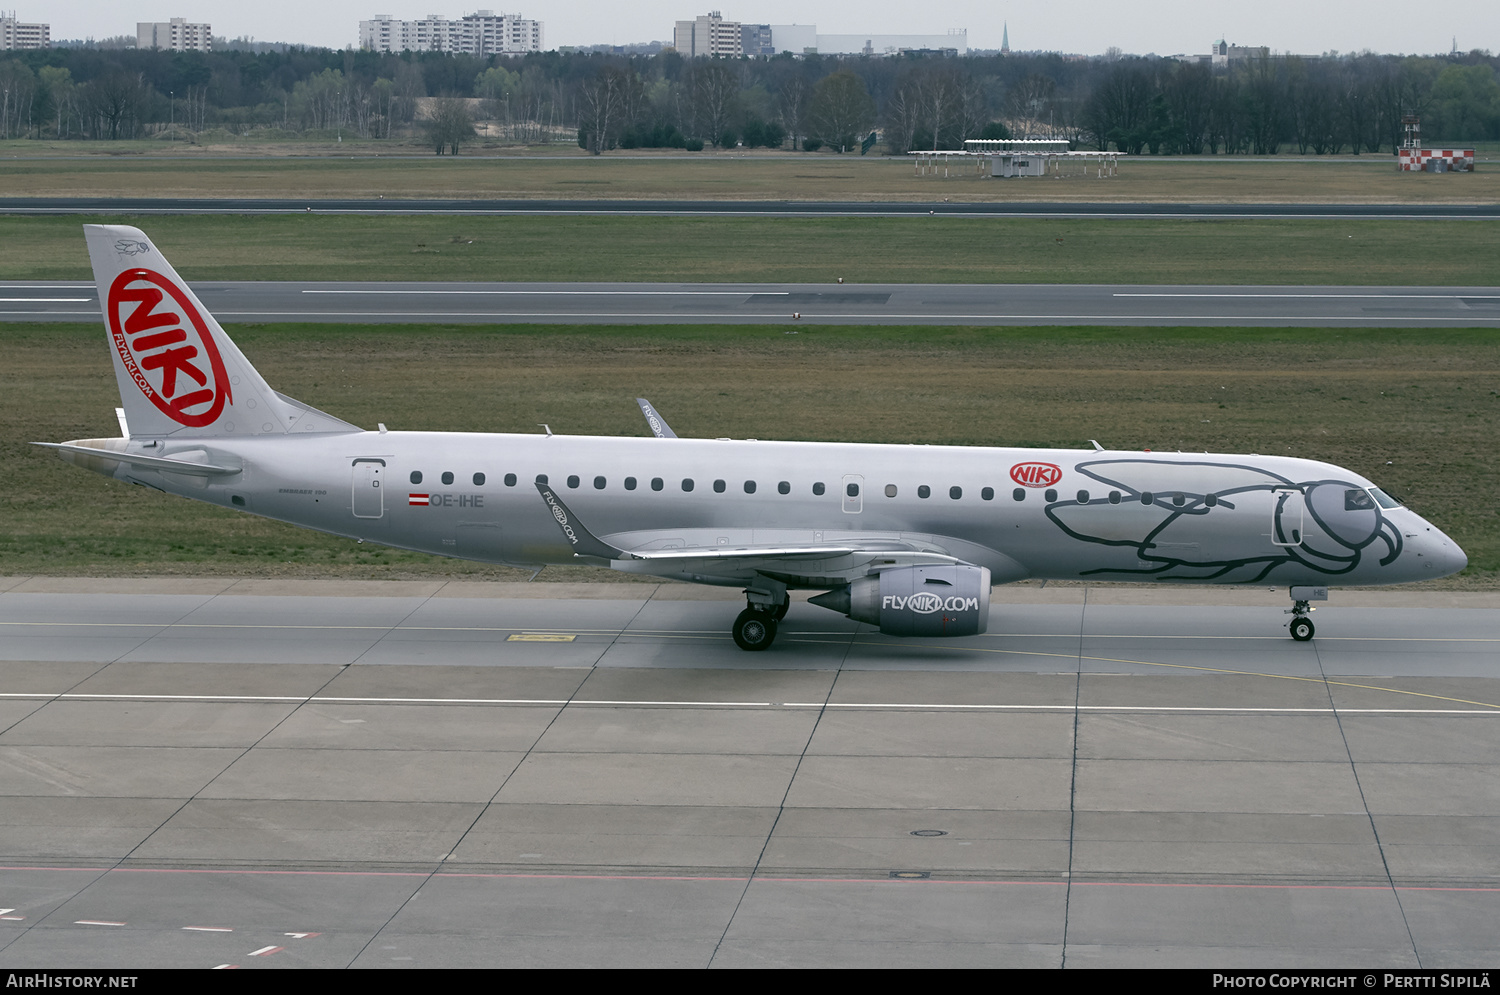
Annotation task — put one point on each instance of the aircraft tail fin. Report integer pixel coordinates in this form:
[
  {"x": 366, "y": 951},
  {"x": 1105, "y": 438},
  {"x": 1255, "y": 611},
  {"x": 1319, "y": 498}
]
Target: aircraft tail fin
[{"x": 180, "y": 375}]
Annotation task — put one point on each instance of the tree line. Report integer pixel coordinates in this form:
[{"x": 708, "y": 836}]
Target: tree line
[{"x": 1139, "y": 105}]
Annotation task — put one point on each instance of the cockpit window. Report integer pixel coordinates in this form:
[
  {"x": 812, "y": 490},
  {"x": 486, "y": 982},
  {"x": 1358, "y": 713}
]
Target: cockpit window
[
  {"x": 1356, "y": 499},
  {"x": 1384, "y": 499}
]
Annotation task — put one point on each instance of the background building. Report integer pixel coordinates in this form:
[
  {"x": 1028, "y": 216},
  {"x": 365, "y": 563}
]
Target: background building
[
  {"x": 712, "y": 35},
  {"x": 15, "y": 34},
  {"x": 709, "y": 35},
  {"x": 481, "y": 33},
  {"x": 176, "y": 35}
]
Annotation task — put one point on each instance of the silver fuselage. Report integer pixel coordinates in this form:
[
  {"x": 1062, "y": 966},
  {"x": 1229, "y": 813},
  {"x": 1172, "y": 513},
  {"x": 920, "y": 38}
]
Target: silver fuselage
[{"x": 1270, "y": 519}]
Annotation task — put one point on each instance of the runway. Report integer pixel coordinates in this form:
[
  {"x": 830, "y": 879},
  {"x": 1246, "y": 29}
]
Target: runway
[
  {"x": 801, "y": 304},
  {"x": 137, "y": 206},
  {"x": 264, "y": 773}
]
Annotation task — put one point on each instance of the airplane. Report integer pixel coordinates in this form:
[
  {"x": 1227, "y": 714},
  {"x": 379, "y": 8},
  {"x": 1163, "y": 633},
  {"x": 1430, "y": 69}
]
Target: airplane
[{"x": 906, "y": 538}]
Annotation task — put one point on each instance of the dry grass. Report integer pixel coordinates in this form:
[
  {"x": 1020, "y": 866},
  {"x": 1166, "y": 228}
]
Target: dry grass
[
  {"x": 1417, "y": 411},
  {"x": 31, "y": 169},
  {"x": 920, "y": 249}
]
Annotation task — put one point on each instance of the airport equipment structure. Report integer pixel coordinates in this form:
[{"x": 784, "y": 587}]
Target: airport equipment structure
[
  {"x": 1411, "y": 157},
  {"x": 1004, "y": 158}
]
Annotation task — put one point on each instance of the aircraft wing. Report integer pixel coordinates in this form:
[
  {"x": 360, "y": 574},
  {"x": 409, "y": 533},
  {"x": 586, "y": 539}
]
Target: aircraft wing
[{"x": 712, "y": 553}]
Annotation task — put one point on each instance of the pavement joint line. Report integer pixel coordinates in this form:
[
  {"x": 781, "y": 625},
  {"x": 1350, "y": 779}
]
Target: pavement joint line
[
  {"x": 768, "y": 879},
  {"x": 1490, "y": 710}
]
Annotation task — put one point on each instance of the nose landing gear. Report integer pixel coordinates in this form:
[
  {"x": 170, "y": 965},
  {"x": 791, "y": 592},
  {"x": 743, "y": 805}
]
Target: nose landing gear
[{"x": 1301, "y": 627}]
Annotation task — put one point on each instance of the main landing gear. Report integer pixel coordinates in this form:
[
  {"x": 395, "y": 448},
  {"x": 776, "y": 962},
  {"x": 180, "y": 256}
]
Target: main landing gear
[
  {"x": 755, "y": 629},
  {"x": 767, "y": 604}
]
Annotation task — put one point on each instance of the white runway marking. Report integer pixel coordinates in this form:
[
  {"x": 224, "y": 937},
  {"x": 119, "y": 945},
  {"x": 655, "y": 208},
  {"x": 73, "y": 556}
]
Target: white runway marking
[
  {"x": 843, "y": 317},
  {"x": 1378, "y": 297},
  {"x": 570, "y": 293}
]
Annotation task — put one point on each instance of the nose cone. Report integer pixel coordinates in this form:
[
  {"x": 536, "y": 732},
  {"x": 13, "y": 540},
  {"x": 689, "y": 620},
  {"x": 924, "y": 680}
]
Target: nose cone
[{"x": 1439, "y": 555}]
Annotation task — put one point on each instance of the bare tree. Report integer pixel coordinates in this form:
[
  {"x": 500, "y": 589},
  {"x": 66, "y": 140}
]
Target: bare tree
[
  {"x": 841, "y": 109},
  {"x": 714, "y": 85},
  {"x": 449, "y": 124}
]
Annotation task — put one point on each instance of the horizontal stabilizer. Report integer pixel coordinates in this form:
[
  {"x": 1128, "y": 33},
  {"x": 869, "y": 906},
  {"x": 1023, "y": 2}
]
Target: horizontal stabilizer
[{"x": 166, "y": 463}]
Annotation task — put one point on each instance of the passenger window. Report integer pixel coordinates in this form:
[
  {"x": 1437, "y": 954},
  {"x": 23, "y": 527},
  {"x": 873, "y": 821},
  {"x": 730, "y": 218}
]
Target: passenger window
[
  {"x": 510, "y": 480},
  {"x": 890, "y": 490},
  {"x": 718, "y": 487},
  {"x": 818, "y": 488},
  {"x": 416, "y": 476},
  {"x": 1083, "y": 497},
  {"x": 687, "y": 483},
  {"x": 447, "y": 476},
  {"x": 1114, "y": 497},
  {"x": 785, "y": 487},
  {"x": 955, "y": 492},
  {"x": 630, "y": 483},
  {"x": 1051, "y": 494},
  {"x": 1019, "y": 494},
  {"x": 656, "y": 483},
  {"x": 988, "y": 494},
  {"x": 1178, "y": 500},
  {"x": 924, "y": 491},
  {"x": 541, "y": 478},
  {"x": 599, "y": 483},
  {"x": 573, "y": 480},
  {"x": 1210, "y": 500},
  {"x": 749, "y": 487},
  {"x": 1147, "y": 497},
  {"x": 478, "y": 480}
]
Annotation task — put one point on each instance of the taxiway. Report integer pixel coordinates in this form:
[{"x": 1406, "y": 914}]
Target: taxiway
[{"x": 263, "y": 773}]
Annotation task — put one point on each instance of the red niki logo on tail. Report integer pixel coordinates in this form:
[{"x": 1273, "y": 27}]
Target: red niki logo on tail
[{"x": 170, "y": 354}]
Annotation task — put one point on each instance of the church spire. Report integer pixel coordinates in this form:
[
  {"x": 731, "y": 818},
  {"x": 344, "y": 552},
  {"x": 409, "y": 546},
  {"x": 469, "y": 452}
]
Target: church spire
[{"x": 1005, "y": 40}]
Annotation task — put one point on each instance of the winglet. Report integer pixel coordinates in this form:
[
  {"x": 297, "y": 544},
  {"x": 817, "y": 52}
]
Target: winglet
[
  {"x": 583, "y": 541},
  {"x": 658, "y": 424}
]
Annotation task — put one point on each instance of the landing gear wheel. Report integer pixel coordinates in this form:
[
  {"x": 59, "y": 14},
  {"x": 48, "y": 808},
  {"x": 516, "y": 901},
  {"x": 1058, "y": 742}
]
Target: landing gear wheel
[
  {"x": 779, "y": 612},
  {"x": 1302, "y": 629},
  {"x": 754, "y": 630}
]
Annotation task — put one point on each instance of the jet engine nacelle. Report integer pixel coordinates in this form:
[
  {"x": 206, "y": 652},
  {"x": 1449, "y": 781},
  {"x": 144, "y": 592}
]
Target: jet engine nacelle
[{"x": 950, "y": 600}]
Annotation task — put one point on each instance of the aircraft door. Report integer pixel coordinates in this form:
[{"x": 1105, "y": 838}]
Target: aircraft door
[
  {"x": 854, "y": 493},
  {"x": 366, "y": 499},
  {"x": 1287, "y": 516}
]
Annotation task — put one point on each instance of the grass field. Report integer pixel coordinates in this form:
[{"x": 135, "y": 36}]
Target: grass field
[
  {"x": 57, "y": 169},
  {"x": 923, "y": 249},
  {"x": 1417, "y": 411}
]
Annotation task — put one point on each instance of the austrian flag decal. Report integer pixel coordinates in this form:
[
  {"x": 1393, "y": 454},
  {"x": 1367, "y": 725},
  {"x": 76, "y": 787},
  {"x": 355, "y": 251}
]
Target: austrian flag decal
[
  {"x": 167, "y": 348},
  {"x": 417, "y": 499}
]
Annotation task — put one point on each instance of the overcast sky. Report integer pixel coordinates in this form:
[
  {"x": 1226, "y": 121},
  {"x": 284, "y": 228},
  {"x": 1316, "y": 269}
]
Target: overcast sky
[{"x": 1079, "y": 26}]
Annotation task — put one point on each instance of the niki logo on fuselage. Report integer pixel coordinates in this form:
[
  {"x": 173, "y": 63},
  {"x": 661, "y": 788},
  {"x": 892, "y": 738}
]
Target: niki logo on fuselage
[
  {"x": 167, "y": 348},
  {"x": 1036, "y": 474}
]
